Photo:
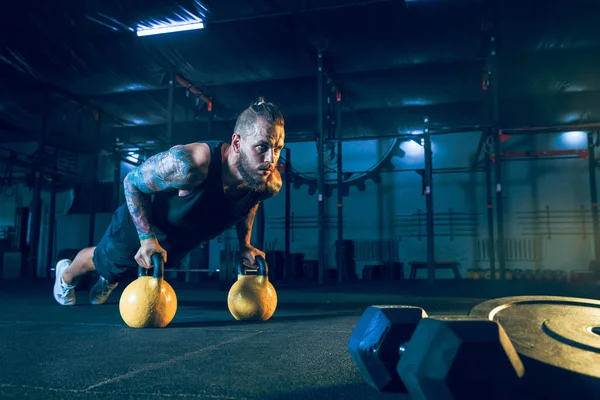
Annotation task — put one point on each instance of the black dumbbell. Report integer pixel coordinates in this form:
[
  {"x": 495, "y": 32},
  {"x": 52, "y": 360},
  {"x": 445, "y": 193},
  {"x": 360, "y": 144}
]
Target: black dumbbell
[{"x": 401, "y": 349}]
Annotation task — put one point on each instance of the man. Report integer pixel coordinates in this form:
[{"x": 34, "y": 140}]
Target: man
[{"x": 182, "y": 197}]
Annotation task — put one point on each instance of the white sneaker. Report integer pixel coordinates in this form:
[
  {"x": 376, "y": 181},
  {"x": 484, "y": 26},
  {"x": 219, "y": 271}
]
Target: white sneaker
[
  {"x": 101, "y": 291},
  {"x": 64, "y": 294}
]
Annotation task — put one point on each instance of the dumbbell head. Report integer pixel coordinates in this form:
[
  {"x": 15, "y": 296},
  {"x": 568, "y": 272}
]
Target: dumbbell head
[
  {"x": 460, "y": 359},
  {"x": 374, "y": 344}
]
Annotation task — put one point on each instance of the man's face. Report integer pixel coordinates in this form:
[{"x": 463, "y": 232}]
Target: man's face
[{"x": 259, "y": 155}]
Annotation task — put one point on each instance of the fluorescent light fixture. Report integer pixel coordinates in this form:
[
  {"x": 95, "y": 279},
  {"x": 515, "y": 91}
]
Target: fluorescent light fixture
[
  {"x": 133, "y": 157},
  {"x": 158, "y": 30}
]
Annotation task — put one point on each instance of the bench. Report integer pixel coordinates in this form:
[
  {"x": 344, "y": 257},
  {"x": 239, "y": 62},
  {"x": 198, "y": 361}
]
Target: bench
[{"x": 415, "y": 265}]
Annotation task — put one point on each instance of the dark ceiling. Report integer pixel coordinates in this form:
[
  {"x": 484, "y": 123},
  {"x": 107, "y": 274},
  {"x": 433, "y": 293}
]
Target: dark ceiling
[{"x": 394, "y": 61}]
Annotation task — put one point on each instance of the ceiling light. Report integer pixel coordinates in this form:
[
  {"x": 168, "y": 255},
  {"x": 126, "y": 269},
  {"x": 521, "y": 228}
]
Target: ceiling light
[{"x": 161, "y": 29}]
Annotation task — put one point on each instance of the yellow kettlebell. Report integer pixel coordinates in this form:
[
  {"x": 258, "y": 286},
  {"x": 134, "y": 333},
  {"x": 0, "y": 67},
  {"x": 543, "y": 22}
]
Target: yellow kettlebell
[
  {"x": 252, "y": 297},
  {"x": 149, "y": 301}
]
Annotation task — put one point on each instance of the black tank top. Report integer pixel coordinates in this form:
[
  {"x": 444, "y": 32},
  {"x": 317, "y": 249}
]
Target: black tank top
[{"x": 181, "y": 223}]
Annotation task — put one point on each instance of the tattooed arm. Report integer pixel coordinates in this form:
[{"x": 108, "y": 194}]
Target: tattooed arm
[
  {"x": 174, "y": 169},
  {"x": 182, "y": 167}
]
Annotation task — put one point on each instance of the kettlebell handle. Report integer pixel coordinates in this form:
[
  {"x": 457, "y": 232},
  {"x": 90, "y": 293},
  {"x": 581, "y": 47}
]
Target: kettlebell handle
[
  {"x": 263, "y": 269},
  {"x": 159, "y": 267}
]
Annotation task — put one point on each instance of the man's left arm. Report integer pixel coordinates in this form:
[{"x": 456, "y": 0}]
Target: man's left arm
[
  {"x": 244, "y": 225},
  {"x": 244, "y": 228}
]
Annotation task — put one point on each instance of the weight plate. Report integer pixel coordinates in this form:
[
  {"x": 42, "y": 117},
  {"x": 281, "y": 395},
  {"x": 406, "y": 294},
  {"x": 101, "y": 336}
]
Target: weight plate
[{"x": 560, "y": 334}]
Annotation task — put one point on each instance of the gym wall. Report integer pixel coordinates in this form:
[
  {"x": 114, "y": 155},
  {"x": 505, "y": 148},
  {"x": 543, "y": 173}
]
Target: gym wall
[
  {"x": 380, "y": 216},
  {"x": 71, "y": 230},
  {"x": 547, "y": 191}
]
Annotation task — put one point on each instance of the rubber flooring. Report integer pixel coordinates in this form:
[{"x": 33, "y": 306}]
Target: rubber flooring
[{"x": 86, "y": 352}]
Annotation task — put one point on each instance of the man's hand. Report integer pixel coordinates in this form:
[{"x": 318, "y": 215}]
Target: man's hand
[
  {"x": 249, "y": 254},
  {"x": 147, "y": 248}
]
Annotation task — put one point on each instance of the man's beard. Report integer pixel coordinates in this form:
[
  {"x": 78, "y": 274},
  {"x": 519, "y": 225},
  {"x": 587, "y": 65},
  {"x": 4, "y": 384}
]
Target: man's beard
[{"x": 254, "y": 182}]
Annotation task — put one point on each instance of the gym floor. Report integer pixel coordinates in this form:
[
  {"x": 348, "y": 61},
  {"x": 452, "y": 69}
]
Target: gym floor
[{"x": 86, "y": 351}]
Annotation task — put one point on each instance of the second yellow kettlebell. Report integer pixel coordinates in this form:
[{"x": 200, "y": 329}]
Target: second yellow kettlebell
[{"x": 252, "y": 297}]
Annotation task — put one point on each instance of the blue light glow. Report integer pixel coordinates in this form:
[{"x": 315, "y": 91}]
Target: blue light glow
[
  {"x": 412, "y": 149},
  {"x": 131, "y": 87},
  {"x": 138, "y": 121},
  {"x": 415, "y": 102},
  {"x": 570, "y": 117},
  {"x": 573, "y": 139}
]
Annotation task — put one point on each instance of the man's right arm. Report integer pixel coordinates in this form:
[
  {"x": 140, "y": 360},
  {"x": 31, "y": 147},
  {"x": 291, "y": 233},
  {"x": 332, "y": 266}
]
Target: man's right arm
[{"x": 182, "y": 167}]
